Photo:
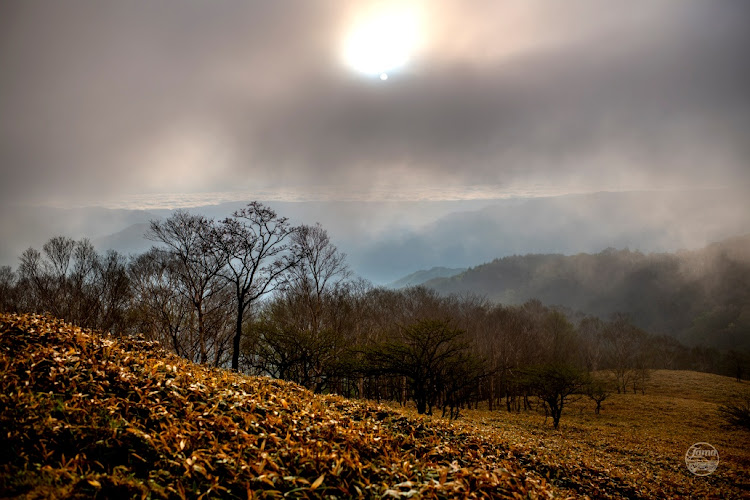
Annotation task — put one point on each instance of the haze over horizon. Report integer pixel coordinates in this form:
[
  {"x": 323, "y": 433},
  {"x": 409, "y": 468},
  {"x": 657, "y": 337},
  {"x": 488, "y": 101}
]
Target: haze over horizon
[{"x": 144, "y": 105}]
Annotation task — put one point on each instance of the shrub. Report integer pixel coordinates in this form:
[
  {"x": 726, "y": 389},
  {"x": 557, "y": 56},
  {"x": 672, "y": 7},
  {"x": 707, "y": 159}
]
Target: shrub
[{"x": 737, "y": 412}]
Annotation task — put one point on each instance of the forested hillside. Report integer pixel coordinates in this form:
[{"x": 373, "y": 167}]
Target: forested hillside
[
  {"x": 419, "y": 277},
  {"x": 701, "y": 297}
]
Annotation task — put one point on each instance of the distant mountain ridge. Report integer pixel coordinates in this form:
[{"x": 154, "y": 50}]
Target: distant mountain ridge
[
  {"x": 700, "y": 297},
  {"x": 131, "y": 240},
  {"x": 650, "y": 221},
  {"x": 423, "y": 276}
]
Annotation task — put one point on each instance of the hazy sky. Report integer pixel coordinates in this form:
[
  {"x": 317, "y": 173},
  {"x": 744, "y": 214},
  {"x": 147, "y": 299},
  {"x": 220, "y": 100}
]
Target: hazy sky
[{"x": 104, "y": 100}]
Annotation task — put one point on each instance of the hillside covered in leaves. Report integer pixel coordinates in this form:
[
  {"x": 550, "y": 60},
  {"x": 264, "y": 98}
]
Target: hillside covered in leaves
[{"x": 85, "y": 415}]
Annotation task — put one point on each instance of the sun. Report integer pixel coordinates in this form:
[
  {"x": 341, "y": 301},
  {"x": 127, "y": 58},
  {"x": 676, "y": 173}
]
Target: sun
[{"x": 382, "y": 40}]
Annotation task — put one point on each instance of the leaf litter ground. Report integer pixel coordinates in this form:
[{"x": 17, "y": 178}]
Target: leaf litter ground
[{"x": 86, "y": 415}]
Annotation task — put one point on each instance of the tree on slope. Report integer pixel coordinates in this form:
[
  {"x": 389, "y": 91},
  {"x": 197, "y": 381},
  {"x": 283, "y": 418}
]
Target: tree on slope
[
  {"x": 190, "y": 240},
  {"x": 253, "y": 243},
  {"x": 554, "y": 384},
  {"x": 421, "y": 352}
]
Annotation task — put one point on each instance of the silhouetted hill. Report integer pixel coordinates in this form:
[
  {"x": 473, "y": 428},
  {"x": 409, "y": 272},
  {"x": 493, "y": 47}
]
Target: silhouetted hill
[
  {"x": 130, "y": 240},
  {"x": 423, "y": 276},
  {"x": 22, "y": 227},
  {"x": 651, "y": 221},
  {"x": 700, "y": 297}
]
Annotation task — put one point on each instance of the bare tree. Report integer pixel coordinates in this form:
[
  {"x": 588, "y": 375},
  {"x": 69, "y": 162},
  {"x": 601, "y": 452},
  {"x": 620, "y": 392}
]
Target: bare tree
[
  {"x": 59, "y": 253},
  {"x": 113, "y": 291},
  {"x": 320, "y": 267},
  {"x": 421, "y": 352},
  {"x": 85, "y": 293},
  {"x": 191, "y": 241},
  {"x": 283, "y": 342},
  {"x": 311, "y": 296},
  {"x": 624, "y": 353},
  {"x": 558, "y": 339},
  {"x": 8, "y": 290},
  {"x": 590, "y": 331},
  {"x": 46, "y": 278},
  {"x": 72, "y": 281},
  {"x": 158, "y": 308},
  {"x": 554, "y": 384},
  {"x": 33, "y": 281},
  {"x": 253, "y": 245},
  {"x": 598, "y": 391},
  {"x": 737, "y": 361}
]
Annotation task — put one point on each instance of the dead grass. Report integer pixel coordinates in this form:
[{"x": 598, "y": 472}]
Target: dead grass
[{"x": 638, "y": 440}]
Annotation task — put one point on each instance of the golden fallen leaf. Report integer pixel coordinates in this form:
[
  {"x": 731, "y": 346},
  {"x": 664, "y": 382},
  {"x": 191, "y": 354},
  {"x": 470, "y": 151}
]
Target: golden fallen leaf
[{"x": 318, "y": 481}]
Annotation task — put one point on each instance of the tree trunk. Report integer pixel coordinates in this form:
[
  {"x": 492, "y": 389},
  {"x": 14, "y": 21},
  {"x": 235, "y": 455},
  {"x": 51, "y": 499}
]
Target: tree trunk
[
  {"x": 236, "y": 341},
  {"x": 556, "y": 413},
  {"x": 491, "y": 395},
  {"x": 202, "y": 335},
  {"x": 420, "y": 398}
]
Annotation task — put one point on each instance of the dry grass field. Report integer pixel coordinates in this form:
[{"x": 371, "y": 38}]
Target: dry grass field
[
  {"x": 636, "y": 446},
  {"x": 83, "y": 415}
]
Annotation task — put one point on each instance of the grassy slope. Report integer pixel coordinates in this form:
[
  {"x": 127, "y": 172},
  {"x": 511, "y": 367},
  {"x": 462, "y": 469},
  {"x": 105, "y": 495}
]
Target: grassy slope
[
  {"x": 638, "y": 441},
  {"x": 83, "y": 415}
]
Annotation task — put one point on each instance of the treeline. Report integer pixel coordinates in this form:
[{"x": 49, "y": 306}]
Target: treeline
[{"x": 253, "y": 293}]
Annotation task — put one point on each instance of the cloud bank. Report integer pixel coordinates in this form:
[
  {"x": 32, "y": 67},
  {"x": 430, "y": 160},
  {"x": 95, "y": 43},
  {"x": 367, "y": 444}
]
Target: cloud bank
[{"x": 130, "y": 99}]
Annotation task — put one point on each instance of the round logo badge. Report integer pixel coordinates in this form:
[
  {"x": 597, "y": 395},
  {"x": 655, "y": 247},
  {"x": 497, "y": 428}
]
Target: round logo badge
[{"x": 702, "y": 459}]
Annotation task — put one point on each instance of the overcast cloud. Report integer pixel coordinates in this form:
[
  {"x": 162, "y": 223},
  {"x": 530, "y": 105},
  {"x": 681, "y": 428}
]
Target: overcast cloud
[{"x": 128, "y": 98}]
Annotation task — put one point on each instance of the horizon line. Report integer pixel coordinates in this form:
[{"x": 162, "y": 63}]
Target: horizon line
[{"x": 173, "y": 201}]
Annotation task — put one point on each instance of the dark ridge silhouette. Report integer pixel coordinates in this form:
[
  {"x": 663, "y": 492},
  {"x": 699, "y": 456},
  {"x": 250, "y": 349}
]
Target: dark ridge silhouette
[
  {"x": 701, "y": 297},
  {"x": 419, "y": 277}
]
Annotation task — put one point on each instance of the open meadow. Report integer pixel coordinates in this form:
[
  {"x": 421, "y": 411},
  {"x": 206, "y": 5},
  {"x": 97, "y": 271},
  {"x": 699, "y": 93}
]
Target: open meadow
[{"x": 636, "y": 446}]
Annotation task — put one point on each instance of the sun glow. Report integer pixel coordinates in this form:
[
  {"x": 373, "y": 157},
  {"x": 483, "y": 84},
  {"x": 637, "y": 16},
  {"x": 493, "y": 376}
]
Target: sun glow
[{"x": 382, "y": 40}]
